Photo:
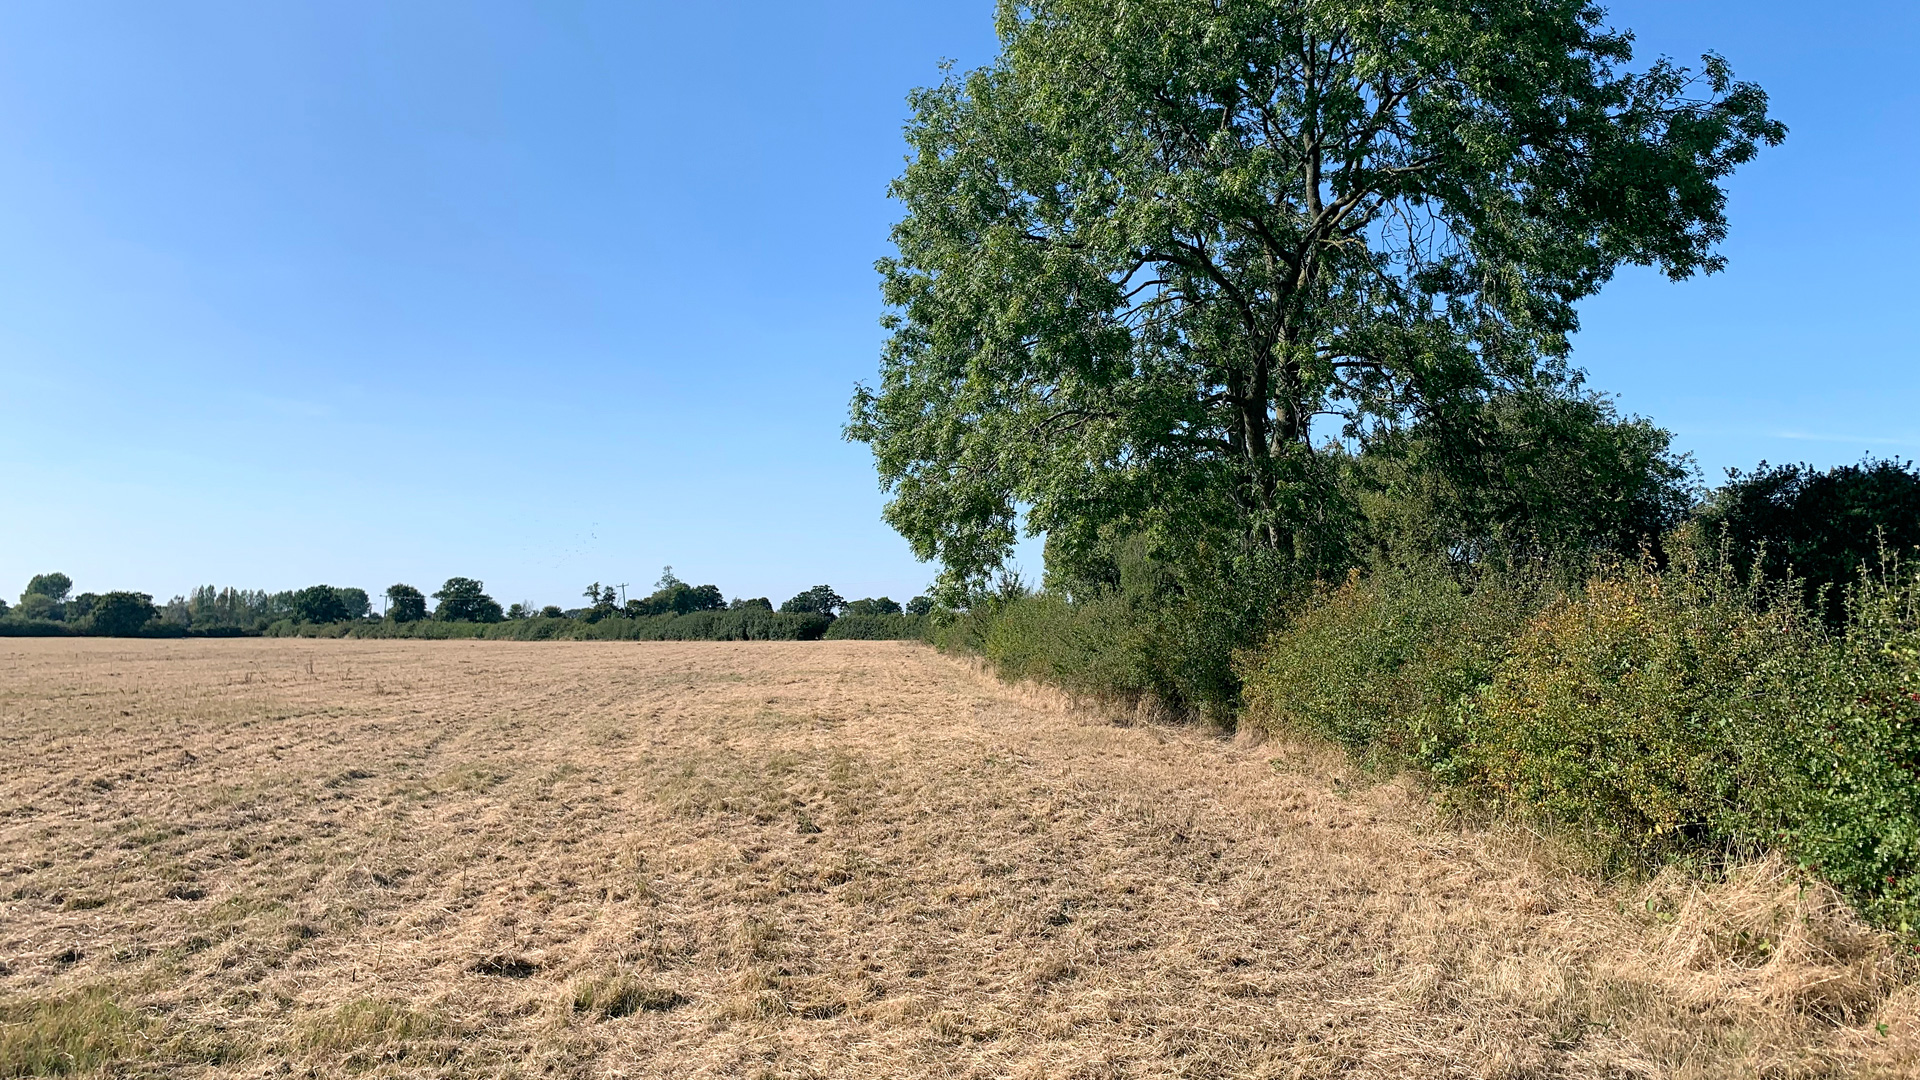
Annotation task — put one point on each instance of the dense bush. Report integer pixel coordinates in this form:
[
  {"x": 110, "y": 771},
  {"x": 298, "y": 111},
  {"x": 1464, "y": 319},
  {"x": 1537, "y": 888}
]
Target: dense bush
[
  {"x": 1381, "y": 663},
  {"x": 1094, "y": 647},
  {"x": 883, "y": 627},
  {"x": 1659, "y": 713}
]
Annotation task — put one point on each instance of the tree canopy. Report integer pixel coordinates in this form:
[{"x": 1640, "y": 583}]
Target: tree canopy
[
  {"x": 819, "y": 600},
  {"x": 122, "y": 614},
  {"x": 466, "y": 600},
  {"x": 405, "y": 603},
  {"x": 1157, "y": 245},
  {"x": 319, "y": 604},
  {"x": 54, "y": 587},
  {"x": 1822, "y": 527}
]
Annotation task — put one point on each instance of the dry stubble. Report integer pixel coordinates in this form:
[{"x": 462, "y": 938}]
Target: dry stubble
[{"x": 846, "y": 859}]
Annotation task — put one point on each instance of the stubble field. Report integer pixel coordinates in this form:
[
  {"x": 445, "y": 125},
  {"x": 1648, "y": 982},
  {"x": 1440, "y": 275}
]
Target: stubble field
[{"x": 840, "y": 859}]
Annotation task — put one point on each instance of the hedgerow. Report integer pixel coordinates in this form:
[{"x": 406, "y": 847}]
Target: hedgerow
[{"x": 1657, "y": 713}]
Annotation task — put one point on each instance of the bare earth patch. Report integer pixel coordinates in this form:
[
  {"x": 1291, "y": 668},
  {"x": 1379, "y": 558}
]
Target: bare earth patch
[{"x": 840, "y": 859}]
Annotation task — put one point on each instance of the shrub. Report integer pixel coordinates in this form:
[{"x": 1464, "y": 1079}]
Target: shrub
[
  {"x": 872, "y": 606},
  {"x": 885, "y": 627},
  {"x": 1381, "y": 663},
  {"x": 1662, "y": 714},
  {"x": 1094, "y": 647},
  {"x": 1653, "y": 708}
]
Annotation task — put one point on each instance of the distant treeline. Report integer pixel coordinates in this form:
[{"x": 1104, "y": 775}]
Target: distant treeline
[{"x": 674, "y": 611}]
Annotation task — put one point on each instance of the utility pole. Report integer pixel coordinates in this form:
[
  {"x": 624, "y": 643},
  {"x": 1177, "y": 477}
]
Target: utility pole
[{"x": 623, "y": 594}]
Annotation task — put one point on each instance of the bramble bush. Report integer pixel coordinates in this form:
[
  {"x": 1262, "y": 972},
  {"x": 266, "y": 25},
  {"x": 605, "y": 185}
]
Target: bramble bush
[{"x": 1660, "y": 714}]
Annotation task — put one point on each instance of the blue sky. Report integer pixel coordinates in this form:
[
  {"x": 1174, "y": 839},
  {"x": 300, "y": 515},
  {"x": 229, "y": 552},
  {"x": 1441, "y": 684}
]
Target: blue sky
[{"x": 549, "y": 293}]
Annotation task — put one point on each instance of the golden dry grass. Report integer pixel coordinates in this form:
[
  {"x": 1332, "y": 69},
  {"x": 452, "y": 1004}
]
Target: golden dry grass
[{"x": 842, "y": 859}]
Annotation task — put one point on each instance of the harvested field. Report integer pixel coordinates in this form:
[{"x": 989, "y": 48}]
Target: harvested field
[{"x": 840, "y": 859}]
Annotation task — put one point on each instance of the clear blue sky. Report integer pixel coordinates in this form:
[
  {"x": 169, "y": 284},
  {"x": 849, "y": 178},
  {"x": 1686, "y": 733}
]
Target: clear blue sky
[{"x": 545, "y": 293}]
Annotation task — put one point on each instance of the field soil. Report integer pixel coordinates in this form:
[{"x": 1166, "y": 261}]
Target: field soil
[{"x": 824, "y": 859}]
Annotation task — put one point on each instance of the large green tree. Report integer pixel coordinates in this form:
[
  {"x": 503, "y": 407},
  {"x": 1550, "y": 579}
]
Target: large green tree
[
  {"x": 466, "y": 600},
  {"x": 1156, "y": 241}
]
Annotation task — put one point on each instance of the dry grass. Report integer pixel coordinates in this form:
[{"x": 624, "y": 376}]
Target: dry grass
[{"x": 842, "y": 859}]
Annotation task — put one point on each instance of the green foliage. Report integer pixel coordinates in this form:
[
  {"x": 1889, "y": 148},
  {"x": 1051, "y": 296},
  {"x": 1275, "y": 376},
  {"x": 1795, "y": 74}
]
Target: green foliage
[
  {"x": 1823, "y": 527},
  {"x": 39, "y": 606},
  {"x": 759, "y": 602},
  {"x": 819, "y": 600},
  {"x": 465, "y": 600},
  {"x": 893, "y": 626},
  {"x": 319, "y": 604},
  {"x": 1094, "y": 646},
  {"x": 920, "y": 605},
  {"x": 122, "y": 614},
  {"x": 1652, "y": 708},
  {"x": 551, "y": 611},
  {"x": 1154, "y": 240},
  {"x": 1381, "y": 663},
  {"x": 1522, "y": 478},
  {"x": 679, "y": 598},
  {"x": 53, "y": 586},
  {"x": 872, "y": 606},
  {"x": 405, "y": 604},
  {"x": 1662, "y": 713},
  {"x": 355, "y": 602}
]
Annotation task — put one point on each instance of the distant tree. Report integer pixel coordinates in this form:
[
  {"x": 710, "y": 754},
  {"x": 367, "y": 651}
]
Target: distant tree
[
  {"x": 53, "y": 586},
  {"x": 355, "y": 601},
  {"x": 552, "y": 611},
  {"x": 465, "y": 600},
  {"x": 405, "y": 604},
  {"x": 80, "y": 606},
  {"x": 920, "y": 605},
  {"x": 1821, "y": 526},
  {"x": 879, "y": 605},
  {"x": 519, "y": 611},
  {"x": 318, "y": 604},
  {"x": 38, "y": 606},
  {"x": 601, "y": 603},
  {"x": 177, "y": 612},
  {"x": 758, "y": 603},
  {"x": 667, "y": 579},
  {"x": 678, "y": 598},
  {"x": 4, "y": 610},
  {"x": 819, "y": 600},
  {"x": 122, "y": 614}
]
